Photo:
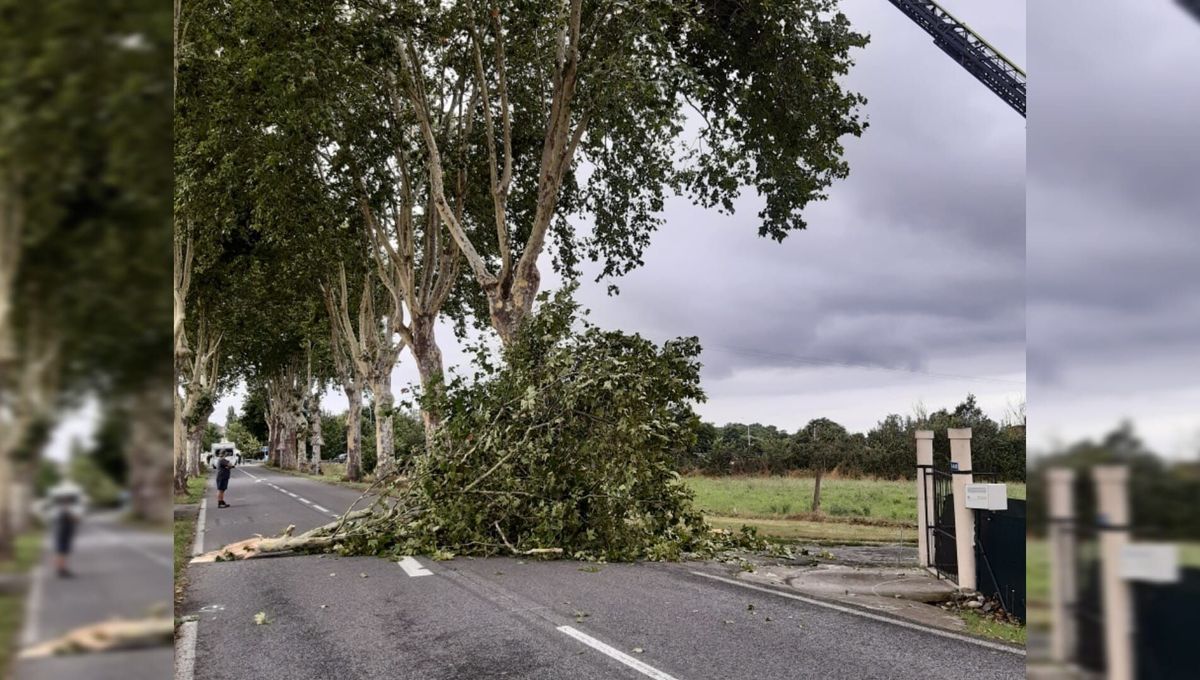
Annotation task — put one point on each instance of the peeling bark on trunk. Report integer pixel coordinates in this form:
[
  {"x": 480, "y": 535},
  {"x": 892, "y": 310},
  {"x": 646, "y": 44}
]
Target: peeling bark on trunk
[
  {"x": 354, "y": 471},
  {"x": 285, "y": 394},
  {"x": 150, "y": 435},
  {"x": 179, "y": 444},
  {"x": 508, "y": 305},
  {"x": 272, "y": 440},
  {"x": 194, "y": 443},
  {"x": 22, "y": 500},
  {"x": 286, "y": 444},
  {"x": 196, "y": 375},
  {"x": 429, "y": 366},
  {"x": 382, "y": 403},
  {"x": 302, "y": 445},
  {"x": 314, "y": 464}
]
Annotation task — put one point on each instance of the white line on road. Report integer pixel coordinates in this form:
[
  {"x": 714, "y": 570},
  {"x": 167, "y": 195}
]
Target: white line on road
[
  {"x": 198, "y": 544},
  {"x": 412, "y": 567},
  {"x": 33, "y": 605},
  {"x": 644, "y": 669},
  {"x": 868, "y": 615},
  {"x": 303, "y": 500},
  {"x": 185, "y": 651}
]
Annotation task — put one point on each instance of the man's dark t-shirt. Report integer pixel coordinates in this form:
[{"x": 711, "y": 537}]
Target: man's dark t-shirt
[{"x": 224, "y": 468}]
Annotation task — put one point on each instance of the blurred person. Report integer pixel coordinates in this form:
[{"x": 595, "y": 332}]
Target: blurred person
[
  {"x": 66, "y": 510},
  {"x": 224, "y": 469}
]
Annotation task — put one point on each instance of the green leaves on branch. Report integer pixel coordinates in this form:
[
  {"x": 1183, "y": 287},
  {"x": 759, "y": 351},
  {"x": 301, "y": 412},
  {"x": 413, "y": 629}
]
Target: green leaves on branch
[{"x": 566, "y": 447}]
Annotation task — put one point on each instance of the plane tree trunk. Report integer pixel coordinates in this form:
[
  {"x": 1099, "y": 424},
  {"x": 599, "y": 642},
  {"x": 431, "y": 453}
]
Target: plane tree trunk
[{"x": 354, "y": 471}]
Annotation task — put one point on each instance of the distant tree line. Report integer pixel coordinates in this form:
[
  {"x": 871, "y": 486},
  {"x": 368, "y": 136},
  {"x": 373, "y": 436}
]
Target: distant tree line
[
  {"x": 1162, "y": 493},
  {"x": 249, "y": 432},
  {"x": 887, "y": 450}
]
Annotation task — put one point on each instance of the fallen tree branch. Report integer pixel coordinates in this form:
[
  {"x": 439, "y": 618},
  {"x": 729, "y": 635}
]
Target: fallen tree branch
[
  {"x": 533, "y": 551},
  {"x": 115, "y": 634}
]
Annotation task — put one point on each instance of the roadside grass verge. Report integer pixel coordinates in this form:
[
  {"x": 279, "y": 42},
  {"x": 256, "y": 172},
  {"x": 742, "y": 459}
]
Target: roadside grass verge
[
  {"x": 990, "y": 628},
  {"x": 852, "y": 510},
  {"x": 185, "y": 533},
  {"x": 27, "y": 549}
]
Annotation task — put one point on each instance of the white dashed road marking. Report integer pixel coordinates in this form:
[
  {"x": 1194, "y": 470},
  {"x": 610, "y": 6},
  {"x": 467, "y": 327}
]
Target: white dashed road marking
[
  {"x": 412, "y": 567},
  {"x": 280, "y": 489},
  {"x": 643, "y": 668}
]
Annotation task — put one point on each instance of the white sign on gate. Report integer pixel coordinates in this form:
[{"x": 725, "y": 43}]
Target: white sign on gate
[
  {"x": 987, "y": 496},
  {"x": 1150, "y": 562}
]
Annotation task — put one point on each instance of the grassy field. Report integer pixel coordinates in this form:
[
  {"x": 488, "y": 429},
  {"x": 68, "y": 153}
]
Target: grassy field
[
  {"x": 12, "y": 608},
  {"x": 185, "y": 533},
  {"x": 852, "y": 510}
]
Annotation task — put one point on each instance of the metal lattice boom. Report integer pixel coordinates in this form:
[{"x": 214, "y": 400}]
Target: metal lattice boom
[
  {"x": 971, "y": 52},
  {"x": 1192, "y": 6}
]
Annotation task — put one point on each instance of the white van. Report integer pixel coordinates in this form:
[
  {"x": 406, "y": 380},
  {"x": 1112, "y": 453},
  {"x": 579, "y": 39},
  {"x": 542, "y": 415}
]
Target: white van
[{"x": 226, "y": 449}]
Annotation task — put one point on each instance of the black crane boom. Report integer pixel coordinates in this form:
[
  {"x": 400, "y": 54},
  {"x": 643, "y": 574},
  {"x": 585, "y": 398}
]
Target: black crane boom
[{"x": 971, "y": 52}]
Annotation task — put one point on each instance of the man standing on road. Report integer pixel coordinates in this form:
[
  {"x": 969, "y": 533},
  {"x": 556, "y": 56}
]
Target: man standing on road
[
  {"x": 224, "y": 468},
  {"x": 65, "y": 513}
]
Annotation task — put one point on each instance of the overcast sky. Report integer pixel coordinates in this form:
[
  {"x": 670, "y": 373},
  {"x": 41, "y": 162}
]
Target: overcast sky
[
  {"x": 908, "y": 285},
  {"x": 1114, "y": 163}
]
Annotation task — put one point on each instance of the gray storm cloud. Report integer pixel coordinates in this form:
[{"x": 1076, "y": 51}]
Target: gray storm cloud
[{"x": 1114, "y": 155}]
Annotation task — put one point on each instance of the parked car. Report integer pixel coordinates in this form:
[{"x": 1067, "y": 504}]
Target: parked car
[{"x": 341, "y": 458}]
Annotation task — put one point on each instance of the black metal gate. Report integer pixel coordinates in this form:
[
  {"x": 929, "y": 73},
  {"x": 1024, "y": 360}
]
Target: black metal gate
[
  {"x": 1000, "y": 563},
  {"x": 1167, "y": 617},
  {"x": 1088, "y": 607},
  {"x": 939, "y": 514}
]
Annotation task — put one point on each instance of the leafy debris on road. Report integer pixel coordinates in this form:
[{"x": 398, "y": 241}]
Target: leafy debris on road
[
  {"x": 564, "y": 448},
  {"x": 260, "y": 619}
]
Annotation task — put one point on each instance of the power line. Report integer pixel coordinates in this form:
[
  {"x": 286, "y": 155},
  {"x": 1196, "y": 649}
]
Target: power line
[{"x": 859, "y": 365}]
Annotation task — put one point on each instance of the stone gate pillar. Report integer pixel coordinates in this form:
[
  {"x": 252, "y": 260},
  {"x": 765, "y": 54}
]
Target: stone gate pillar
[
  {"x": 1060, "y": 498},
  {"x": 924, "y": 493},
  {"x": 1112, "y": 514},
  {"x": 964, "y": 519}
]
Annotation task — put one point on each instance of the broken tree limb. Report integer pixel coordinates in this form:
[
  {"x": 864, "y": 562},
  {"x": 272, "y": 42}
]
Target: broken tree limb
[
  {"x": 533, "y": 551},
  {"x": 107, "y": 636}
]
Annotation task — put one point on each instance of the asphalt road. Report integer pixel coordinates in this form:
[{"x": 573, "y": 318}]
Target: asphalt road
[
  {"x": 265, "y": 501},
  {"x": 120, "y": 571},
  {"x": 507, "y": 618}
]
